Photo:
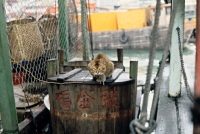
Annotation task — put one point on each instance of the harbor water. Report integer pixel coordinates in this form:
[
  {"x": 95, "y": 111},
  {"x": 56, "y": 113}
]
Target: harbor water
[{"x": 142, "y": 56}]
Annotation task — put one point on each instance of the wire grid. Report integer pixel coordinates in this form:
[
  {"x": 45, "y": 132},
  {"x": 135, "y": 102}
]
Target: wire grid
[
  {"x": 75, "y": 47},
  {"x": 33, "y": 35},
  {"x": 85, "y": 24}
]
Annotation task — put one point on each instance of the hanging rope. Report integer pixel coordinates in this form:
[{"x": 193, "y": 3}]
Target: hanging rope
[
  {"x": 164, "y": 57},
  {"x": 140, "y": 124},
  {"x": 188, "y": 90},
  {"x": 150, "y": 65}
]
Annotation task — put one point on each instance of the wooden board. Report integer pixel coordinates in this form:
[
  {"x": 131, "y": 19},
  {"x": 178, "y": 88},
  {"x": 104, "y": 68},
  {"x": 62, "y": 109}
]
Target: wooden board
[
  {"x": 81, "y": 105},
  {"x": 118, "y": 77},
  {"x": 79, "y": 108}
]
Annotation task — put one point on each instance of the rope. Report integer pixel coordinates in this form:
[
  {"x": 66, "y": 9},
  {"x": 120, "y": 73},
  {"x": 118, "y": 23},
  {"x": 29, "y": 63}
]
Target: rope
[
  {"x": 164, "y": 57},
  {"x": 140, "y": 124},
  {"x": 188, "y": 90},
  {"x": 150, "y": 65}
]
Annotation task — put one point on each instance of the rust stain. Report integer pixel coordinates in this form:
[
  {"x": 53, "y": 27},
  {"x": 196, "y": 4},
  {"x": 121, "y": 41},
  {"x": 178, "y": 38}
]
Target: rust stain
[{"x": 95, "y": 115}]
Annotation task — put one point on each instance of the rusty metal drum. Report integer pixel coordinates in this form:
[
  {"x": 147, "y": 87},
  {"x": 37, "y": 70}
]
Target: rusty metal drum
[{"x": 79, "y": 105}]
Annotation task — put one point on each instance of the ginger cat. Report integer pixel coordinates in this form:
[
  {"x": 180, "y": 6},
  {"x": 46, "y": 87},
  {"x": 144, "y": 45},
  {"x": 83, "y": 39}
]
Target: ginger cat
[{"x": 101, "y": 68}]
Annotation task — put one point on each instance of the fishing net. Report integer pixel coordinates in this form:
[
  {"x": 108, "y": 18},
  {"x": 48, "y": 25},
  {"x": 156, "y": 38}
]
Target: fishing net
[{"x": 25, "y": 40}]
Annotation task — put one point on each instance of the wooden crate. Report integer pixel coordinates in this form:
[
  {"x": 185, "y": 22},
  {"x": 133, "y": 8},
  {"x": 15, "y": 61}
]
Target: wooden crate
[{"x": 82, "y": 106}]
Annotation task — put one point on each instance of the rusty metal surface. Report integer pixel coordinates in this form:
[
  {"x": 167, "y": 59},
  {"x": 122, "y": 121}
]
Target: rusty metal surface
[{"x": 197, "y": 77}]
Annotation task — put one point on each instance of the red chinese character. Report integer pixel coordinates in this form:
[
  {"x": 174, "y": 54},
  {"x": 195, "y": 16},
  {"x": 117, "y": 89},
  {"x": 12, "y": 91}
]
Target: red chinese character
[
  {"x": 84, "y": 100},
  {"x": 58, "y": 96},
  {"x": 64, "y": 99},
  {"x": 109, "y": 99}
]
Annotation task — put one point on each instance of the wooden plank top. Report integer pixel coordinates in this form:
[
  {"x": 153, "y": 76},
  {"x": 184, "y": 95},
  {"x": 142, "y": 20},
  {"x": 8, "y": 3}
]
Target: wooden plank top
[{"x": 84, "y": 77}]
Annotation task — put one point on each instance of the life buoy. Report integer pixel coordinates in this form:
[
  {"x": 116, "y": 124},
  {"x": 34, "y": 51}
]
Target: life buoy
[{"x": 123, "y": 37}]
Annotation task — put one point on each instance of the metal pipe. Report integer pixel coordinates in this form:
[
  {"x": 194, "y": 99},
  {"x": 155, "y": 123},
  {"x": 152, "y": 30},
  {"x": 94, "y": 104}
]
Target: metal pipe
[
  {"x": 7, "y": 101},
  {"x": 197, "y": 73},
  {"x": 63, "y": 27},
  {"x": 84, "y": 28},
  {"x": 175, "y": 64}
]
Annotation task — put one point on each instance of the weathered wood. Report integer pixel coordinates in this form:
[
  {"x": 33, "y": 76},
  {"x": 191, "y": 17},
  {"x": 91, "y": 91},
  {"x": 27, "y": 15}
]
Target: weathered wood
[
  {"x": 84, "y": 77},
  {"x": 68, "y": 75},
  {"x": 61, "y": 60},
  {"x": 120, "y": 54},
  {"x": 133, "y": 75},
  {"x": 52, "y": 67},
  {"x": 91, "y": 109},
  {"x": 133, "y": 69}
]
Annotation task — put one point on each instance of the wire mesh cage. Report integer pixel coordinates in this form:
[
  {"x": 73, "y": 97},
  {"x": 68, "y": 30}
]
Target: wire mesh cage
[{"x": 33, "y": 35}]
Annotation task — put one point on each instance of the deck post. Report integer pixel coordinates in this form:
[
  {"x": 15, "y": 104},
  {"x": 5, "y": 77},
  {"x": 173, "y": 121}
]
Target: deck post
[
  {"x": 197, "y": 72},
  {"x": 63, "y": 27},
  {"x": 133, "y": 75},
  {"x": 175, "y": 65},
  {"x": 120, "y": 54},
  {"x": 7, "y": 102},
  {"x": 52, "y": 67},
  {"x": 84, "y": 29},
  {"x": 133, "y": 70},
  {"x": 61, "y": 56}
]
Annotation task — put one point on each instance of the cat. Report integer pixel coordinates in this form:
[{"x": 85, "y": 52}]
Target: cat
[{"x": 101, "y": 68}]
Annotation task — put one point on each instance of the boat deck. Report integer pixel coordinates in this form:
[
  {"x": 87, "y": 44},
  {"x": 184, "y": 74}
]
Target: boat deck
[{"x": 173, "y": 115}]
